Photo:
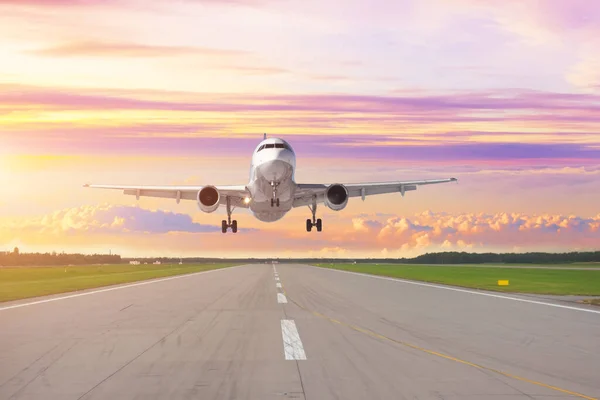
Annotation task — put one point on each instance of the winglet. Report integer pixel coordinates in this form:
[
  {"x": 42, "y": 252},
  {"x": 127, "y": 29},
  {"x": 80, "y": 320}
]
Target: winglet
[
  {"x": 86, "y": 185},
  {"x": 265, "y": 136}
]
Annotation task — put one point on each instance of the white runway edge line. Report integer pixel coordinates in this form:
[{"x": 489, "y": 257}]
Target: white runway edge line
[
  {"x": 110, "y": 289},
  {"x": 431, "y": 285},
  {"x": 281, "y": 299},
  {"x": 292, "y": 345}
]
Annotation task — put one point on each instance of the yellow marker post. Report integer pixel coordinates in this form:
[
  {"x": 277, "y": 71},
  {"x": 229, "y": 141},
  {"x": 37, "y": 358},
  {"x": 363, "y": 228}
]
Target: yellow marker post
[{"x": 503, "y": 283}]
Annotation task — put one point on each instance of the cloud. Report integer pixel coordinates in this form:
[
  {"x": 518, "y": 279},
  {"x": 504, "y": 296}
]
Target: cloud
[
  {"x": 430, "y": 231},
  {"x": 585, "y": 73},
  {"x": 53, "y": 3},
  {"x": 109, "y": 219},
  {"x": 374, "y": 235},
  {"x": 203, "y": 139},
  {"x": 124, "y": 49},
  {"x": 63, "y": 3},
  {"x": 496, "y": 103},
  {"x": 251, "y": 70}
]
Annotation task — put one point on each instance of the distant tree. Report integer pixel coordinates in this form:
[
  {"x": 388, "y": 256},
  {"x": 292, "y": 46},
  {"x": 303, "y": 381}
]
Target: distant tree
[{"x": 16, "y": 251}]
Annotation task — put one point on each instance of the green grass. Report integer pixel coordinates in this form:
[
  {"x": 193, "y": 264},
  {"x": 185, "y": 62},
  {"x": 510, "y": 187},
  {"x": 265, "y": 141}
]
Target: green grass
[
  {"x": 23, "y": 282},
  {"x": 515, "y": 265},
  {"x": 522, "y": 280}
]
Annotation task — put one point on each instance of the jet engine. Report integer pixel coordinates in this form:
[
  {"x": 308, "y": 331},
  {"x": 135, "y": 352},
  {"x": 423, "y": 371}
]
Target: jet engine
[
  {"x": 336, "y": 197},
  {"x": 208, "y": 199}
]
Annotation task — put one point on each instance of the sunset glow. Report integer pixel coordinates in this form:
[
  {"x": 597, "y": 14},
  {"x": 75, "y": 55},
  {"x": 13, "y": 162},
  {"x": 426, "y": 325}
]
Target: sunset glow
[{"x": 505, "y": 96}]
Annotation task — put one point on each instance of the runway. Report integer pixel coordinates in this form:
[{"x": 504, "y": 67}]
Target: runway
[{"x": 296, "y": 332}]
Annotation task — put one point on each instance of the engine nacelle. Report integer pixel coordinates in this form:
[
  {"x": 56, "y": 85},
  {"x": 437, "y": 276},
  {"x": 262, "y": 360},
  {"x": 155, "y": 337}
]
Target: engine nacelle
[
  {"x": 336, "y": 197},
  {"x": 208, "y": 199}
]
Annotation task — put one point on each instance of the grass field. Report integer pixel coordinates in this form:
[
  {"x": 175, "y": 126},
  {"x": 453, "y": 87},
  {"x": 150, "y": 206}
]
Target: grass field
[
  {"x": 23, "y": 282},
  {"x": 549, "y": 266},
  {"x": 522, "y": 280}
]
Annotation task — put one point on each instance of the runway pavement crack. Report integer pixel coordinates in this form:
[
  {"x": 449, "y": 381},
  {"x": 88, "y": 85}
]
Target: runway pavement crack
[
  {"x": 30, "y": 364},
  {"x": 44, "y": 369},
  {"x": 480, "y": 367},
  {"x": 489, "y": 374},
  {"x": 155, "y": 343}
]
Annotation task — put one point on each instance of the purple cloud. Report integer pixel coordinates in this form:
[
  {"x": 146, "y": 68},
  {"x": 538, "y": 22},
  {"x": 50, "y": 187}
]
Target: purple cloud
[
  {"x": 499, "y": 101},
  {"x": 120, "y": 141},
  {"x": 119, "y": 219}
]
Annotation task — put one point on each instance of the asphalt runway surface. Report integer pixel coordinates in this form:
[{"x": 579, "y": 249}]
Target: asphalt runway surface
[{"x": 296, "y": 332}]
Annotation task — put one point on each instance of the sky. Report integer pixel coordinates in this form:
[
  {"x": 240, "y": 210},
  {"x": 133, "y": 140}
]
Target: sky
[{"x": 504, "y": 96}]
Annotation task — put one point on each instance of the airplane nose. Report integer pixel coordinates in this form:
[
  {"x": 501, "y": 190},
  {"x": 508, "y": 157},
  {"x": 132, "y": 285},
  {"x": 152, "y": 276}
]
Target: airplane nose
[{"x": 276, "y": 170}]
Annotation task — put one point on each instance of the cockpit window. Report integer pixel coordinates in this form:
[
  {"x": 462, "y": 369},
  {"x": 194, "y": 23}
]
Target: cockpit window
[{"x": 274, "y": 146}]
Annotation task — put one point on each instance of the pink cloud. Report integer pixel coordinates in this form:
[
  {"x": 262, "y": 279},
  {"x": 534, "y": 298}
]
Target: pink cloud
[
  {"x": 428, "y": 231},
  {"x": 495, "y": 103},
  {"x": 396, "y": 236}
]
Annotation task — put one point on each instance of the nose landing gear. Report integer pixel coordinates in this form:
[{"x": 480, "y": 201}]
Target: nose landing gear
[
  {"x": 225, "y": 225},
  {"x": 274, "y": 199},
  {"x": 316, "y": 222}
]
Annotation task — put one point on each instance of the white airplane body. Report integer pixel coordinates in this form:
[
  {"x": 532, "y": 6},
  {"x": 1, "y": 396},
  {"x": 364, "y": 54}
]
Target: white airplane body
[{"x": 272, "y": 191}]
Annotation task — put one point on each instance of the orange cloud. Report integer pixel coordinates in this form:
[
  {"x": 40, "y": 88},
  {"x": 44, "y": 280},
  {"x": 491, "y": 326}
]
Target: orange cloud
[
  {"x": 125, "y": 49},
  {"x": 135, "y": 231}
]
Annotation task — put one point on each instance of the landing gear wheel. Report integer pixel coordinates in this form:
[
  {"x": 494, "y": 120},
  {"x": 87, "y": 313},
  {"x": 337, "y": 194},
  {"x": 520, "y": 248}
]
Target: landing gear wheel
[
  {"x": 226, "y": 224},
  {"x": 277, "y": 202},
  {"x": 317, "y": 223},
  {"x": 272, "y": 202}
]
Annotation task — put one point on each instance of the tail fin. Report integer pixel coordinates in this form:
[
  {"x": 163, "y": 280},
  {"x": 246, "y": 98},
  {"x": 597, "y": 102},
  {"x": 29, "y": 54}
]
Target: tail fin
[{"x": 265, "y": 136}]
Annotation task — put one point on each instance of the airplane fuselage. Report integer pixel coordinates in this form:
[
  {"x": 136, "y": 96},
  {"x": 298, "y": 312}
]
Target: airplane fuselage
[{"x": 272, "y": 185}]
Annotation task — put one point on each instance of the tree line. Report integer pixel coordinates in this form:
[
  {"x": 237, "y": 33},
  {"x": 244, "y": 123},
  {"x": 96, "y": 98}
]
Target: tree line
[
  {"x": 429, "y": 258},
  {"x": 508, "y": 258},
  {"x": 15, "y": 258}
]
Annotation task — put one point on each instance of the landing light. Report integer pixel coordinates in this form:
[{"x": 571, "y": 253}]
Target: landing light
[{"x": 247, "y": 200}]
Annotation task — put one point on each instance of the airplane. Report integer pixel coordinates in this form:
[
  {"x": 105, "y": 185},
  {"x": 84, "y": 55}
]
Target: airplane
[{"x": 272, "y": 191}]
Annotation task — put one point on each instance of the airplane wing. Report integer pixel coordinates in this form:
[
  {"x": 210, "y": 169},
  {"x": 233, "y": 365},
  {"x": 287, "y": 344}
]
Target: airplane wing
[
  {"x": 305, "y": 193},
  {"x": 235, "y": 193}
]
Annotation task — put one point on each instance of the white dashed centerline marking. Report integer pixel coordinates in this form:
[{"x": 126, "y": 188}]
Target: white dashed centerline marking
[
  {"x": 281, "y": 299},
  {"x": 292, "y": 345},
  {"x": 278, "y": 285}
]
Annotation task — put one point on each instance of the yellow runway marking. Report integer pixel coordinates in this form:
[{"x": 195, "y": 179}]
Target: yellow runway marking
[{"x": 447, "y": 357}]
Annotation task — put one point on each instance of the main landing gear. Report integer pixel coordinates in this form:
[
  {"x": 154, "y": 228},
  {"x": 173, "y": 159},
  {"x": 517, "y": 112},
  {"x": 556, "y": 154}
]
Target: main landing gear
[
  {"x": 314, "y": 222},
  {"x": 225, "y": 225},
  {"x": 274, "y": 199}
]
